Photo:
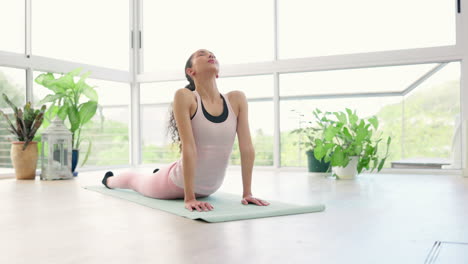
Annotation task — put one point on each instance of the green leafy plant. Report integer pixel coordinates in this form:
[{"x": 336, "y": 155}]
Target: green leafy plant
[
  {"x": 27, "y": 120},
  {"x": 347, "y": 135},
  {"x": 67, "y": 102},
  {"x": 310, "y": 134},
  {"x": 307, "y": 133}
]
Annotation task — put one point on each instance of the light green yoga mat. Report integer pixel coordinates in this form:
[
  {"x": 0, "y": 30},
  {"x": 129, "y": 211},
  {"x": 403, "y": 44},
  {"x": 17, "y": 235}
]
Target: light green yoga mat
[{"x": 227, "y": 207}]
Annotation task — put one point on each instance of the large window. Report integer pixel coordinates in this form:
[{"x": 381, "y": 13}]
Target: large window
[
  {"x": 106, "y": 135},
  {"x": 108, "y": 130},
  {"x": 253, "y": 86},
  {"x": 155, "y": 106},
  {"x": 236, "y": 31},
  {"x": 432, "y": 126},
  {"x": 156, "y": 102},
  {"x": 12, "y": 26},
  {"x": 91, "y": 32},
  {"x": 423, "y": 118},
  {"x": 260, "y": 115},
  {"x": 261, "y": 131},
  {"x": 12, "y": 83},
  {"x": 418, "y": 103},
  {"x": 296, "y": 113},
  {"x": 368, "y": 80},
  {"x": 319, "y": 28}
]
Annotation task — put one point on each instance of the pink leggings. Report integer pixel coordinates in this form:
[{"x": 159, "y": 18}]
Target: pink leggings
[{"x": 156, "y": 185}]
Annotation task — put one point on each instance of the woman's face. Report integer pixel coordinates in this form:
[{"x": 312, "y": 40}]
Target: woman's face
[{"x": 205, "y": 61}]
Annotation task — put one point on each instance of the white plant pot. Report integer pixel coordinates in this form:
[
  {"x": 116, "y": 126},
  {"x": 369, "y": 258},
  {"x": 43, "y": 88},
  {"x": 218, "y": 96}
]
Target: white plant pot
[{"x": 349, "y": 172}]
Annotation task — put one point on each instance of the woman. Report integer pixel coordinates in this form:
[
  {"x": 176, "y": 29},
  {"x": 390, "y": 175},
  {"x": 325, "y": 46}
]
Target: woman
[{"x": 206, "y": 123}]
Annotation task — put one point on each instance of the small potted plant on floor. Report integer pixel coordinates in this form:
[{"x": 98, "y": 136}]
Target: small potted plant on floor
[
  {"x": 308, "y": 135},
  {"x": 67, "y": 103},
  {"x": 24, "y": 154},
  {"x": 349, "y": 143}
]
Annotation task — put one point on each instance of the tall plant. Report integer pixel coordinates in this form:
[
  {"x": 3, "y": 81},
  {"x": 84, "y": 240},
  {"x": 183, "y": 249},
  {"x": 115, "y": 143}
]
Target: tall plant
[
  {"x": 347, "y": 135},
  {"x": 27, "y": 121},
  {"x": 67, "y": 101}
]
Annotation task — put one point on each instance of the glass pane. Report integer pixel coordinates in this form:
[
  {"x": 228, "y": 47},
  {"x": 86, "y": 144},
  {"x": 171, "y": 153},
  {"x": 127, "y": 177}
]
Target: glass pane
[
  {"x": 252, "y": 86},
  {"x": 156, "y": 143},
  {"x": 161, "y": 92},
  {"x": 424, "y": 124},
  {"x": 296, "y": 113},
  {"x": 261, "y": 131},
  {"x": 173, "y": 30},
  {"x": 12, "y": 26},
  {"x": 432, "y": 127},
  {"x": 86, "y": 32},
  {"x": 320, "y": 28},
  {"x": 260, "y": 115},
  {"x": 107, "y": 132},
  {"x": 39, "y": 93},
  {"x": 368, "y": 80},
  {"x": 157, "y": 97},
  {"x": 12, "y": 83}
]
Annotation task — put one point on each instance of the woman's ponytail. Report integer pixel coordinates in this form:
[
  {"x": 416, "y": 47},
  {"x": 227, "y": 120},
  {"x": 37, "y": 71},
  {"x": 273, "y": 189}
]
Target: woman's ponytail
[
  {"x": 172, "y": 127},
  {"x": 191, "y": 85}
]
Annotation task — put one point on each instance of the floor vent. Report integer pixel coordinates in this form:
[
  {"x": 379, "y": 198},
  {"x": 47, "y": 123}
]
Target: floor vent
[{"x": 444, "y": 252}]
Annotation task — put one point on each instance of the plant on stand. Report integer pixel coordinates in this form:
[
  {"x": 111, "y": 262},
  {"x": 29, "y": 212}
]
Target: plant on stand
[
  {"x": 67, "y": 103},
  {"x": 24, "y": 154},
  {"x": 348, "y": 143}
]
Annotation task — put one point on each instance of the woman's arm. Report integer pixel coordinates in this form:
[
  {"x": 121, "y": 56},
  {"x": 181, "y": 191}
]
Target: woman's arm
[
  {"x": 247, "y": 150},
  {"x": 246, "y": 147},
  {"x": 182, "y": 101}
]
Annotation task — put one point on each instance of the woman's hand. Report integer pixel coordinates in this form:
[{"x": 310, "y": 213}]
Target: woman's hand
[
  {"x": 250, "y": 199},
  {"x": 191, "y": 204}
]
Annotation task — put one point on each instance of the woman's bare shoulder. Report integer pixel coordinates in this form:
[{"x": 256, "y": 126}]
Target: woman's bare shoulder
[
  {"x": 183, "y": 92},
  {"x": 185, "y": 100},
  {"x": 237, "y": 96},
  {"x": 185, "y": 95},
  {"x": 237, "y": 99}
]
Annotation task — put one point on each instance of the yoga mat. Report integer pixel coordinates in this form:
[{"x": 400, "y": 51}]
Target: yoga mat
[{"x": 227, "y": 207}]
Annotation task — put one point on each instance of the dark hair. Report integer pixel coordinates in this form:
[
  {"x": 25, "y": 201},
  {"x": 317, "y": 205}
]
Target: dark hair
[{"x": 172, "y": 128}]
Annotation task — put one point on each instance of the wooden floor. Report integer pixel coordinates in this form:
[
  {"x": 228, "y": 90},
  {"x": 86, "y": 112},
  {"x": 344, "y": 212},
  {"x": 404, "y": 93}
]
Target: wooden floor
[{"x": 374, "y": 219}]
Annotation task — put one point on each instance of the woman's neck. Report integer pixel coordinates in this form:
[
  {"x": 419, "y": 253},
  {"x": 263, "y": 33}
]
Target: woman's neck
[{"x": 207, "y": 89}]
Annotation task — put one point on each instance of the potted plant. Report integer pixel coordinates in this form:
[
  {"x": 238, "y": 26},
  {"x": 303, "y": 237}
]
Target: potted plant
[
  {"x": 67, "y": 103},
  {"x": 24, "y": 152},
  {"x": 348, "y": 143},
  {"x": 308, "y": 136}
]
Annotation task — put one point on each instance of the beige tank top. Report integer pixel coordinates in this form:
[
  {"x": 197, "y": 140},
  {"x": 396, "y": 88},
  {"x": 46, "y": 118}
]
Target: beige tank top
[{"x": 214, "y": 138}]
